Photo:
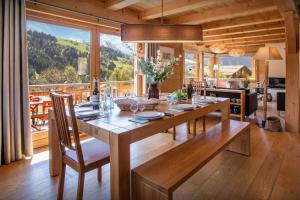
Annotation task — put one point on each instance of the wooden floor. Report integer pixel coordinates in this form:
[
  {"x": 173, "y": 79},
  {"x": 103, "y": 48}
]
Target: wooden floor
[{"x": 272, "y": 171}]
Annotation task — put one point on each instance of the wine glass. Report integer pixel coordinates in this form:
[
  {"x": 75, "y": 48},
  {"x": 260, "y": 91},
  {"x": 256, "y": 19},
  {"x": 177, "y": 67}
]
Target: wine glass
[
  {"x": 170, "y": 101},
  {"x": 142, "y": 107},
  {"x": 134, "y": 107}
]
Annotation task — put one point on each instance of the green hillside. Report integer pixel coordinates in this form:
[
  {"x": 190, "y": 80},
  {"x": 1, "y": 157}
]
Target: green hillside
[{"x": 79, "y": 46}]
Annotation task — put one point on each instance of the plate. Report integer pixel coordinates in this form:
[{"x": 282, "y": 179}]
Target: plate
[
  {"x": 207, "y": 101},
  {"x": 84, "y": 114},
  {"x": 150, "y": 115},
  {"x": 183, "y": 107},
  {"x": 86, "y": 104}
]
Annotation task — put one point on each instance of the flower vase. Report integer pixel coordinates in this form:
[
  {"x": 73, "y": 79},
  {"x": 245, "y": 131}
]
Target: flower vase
[{"x": 153, "y": 91}]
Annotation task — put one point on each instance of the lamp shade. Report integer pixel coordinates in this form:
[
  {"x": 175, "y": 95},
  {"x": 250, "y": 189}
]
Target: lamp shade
[
  {"x": 161, "y": 33},
  {"x": 218, "y": 48},
  {"x": 267, "y": 53}
]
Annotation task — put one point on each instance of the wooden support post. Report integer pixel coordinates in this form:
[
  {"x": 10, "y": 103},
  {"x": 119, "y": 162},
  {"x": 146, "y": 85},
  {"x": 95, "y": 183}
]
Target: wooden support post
[
  {"x": 202, "y": 66},
  {"x": 292, "y": 107},
  {"x": 265, "y": 102},
  {"x": 198, "y": 67}
]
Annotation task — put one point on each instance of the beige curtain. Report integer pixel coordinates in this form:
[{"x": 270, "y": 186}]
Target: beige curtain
[{"x": 15, "y": 133}]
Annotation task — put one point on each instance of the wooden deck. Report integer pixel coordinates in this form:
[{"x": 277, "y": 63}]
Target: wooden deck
[{"x": 272, "y": 171}]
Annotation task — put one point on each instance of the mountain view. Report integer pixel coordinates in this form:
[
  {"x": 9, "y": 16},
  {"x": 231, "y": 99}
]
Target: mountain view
[{"x": 56, "y": 58}]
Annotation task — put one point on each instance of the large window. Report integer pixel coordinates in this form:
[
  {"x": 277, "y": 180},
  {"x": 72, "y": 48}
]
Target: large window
[
  {"x": 58, "y": 61},
  {"x": 116, "y": 63},
  {"x": 57, "y": 54},
  {"x": 235, "y": 67},
  {"x": 207, "y": 68},
  {"x": 190, "y": 67}
]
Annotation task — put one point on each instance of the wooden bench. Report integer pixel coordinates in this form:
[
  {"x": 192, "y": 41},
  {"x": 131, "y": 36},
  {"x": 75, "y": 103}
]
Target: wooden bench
[{"x": 159, "y": 177}]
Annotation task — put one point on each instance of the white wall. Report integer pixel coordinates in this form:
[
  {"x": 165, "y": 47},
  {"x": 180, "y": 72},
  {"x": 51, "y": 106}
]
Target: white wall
[{"x": 277, "y": 67}]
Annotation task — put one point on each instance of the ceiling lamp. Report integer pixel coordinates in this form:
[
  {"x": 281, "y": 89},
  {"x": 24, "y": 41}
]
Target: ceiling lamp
[
  {"x": 218, "y": 48},
  {"x": 161, "y": 32},
  {"x": 236, "y": 52}
]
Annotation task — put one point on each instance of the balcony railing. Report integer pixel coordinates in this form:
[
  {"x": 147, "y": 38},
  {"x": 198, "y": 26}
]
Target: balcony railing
[{"x": 40, "y": 101}]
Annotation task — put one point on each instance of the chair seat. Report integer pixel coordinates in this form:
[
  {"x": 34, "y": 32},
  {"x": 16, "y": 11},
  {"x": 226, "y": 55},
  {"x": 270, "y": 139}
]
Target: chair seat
[{"x": 93, "y": 151}]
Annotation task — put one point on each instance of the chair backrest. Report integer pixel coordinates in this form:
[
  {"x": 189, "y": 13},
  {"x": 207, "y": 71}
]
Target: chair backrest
[
  {"x": 198, "y": 86},
  {"x": 66, "y": 134}
]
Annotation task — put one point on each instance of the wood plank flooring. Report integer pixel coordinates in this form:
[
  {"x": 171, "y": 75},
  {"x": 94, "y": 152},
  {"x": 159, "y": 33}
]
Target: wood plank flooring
[{"x": 272, "y": 171}]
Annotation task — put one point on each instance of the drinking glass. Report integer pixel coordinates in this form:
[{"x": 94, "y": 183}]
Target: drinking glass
[
  {"x": 134, "y": 108},
  {"x": 170, "y": 101},
  {"x": 194, "y": 98},
  {"x": 142, "y": 107}
]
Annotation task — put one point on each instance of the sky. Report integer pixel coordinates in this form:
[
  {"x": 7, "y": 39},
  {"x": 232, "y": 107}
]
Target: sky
[{"x": 60, "y": 31}]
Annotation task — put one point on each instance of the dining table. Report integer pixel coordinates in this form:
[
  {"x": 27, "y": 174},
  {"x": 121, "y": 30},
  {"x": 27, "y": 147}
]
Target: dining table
[{"x": 119, "y": 132}]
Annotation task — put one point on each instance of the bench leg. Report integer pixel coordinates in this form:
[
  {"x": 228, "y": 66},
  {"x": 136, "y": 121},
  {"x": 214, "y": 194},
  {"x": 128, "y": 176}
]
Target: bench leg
[{"x": 241, "y": 144}]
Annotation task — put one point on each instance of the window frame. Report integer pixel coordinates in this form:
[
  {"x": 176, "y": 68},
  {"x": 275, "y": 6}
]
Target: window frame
[{"x": 40, "y": 139}]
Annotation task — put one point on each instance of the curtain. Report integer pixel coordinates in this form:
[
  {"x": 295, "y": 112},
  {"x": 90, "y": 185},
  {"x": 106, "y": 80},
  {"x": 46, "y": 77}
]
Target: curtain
[{"x": 15, "y": 131}]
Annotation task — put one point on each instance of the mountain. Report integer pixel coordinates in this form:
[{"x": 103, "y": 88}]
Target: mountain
[{"x": 53, "y": 60}]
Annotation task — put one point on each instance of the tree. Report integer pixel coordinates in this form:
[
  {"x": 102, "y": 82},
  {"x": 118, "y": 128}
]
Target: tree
[
  {"x": 51, "y": 75},
  {"x": 122, "y": 72},
  {"x": 71, "y": 75}
]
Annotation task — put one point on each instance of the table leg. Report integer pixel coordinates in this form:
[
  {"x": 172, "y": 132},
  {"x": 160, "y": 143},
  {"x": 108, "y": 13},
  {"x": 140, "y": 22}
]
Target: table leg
[
  {"x": 120, "y": 166},
  {"x": 54, "y": 154},
  {"x": 225, "y": 111}
]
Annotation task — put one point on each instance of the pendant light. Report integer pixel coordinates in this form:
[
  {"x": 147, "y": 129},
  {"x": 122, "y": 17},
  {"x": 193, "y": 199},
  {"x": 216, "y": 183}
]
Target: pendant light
[
  {"x": 218, "y": 48},
  {"x": 236, "y": 52},
  {"x": 157, "y": 33}
]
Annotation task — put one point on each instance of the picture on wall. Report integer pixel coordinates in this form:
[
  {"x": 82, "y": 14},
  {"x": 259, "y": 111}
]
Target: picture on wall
[{"x": 166, "y": 53}]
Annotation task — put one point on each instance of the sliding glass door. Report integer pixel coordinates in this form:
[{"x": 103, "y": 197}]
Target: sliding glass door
[{"x": 58, "y": 61}]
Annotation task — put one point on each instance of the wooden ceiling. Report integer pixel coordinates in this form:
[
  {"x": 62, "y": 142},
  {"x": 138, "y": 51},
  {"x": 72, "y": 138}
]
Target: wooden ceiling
[
  {"x": 237, "y": 23},
  {"x": 246, "y": 24}
]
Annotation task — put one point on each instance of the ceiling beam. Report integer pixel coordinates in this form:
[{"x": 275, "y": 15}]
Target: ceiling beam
[
  {"x": 246, "y": 29},
  {"x": 257, "y": 34},
  {"x": 243, "y": 40},
  {"x": 252, "y": 44},
  {"x": 260, "y": 18},
  {"x": 120, "y": 4},
  {"x": 91, "y": 7},
  {"x": 249, "y": 49},
  {"x": 227, "y": 12},
  {"x": 286, "y": 5},
  {"x": 174, "y": 7}
]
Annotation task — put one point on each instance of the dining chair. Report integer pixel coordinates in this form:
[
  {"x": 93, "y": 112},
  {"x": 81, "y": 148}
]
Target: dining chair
[
  {"x": 197, "y": 87},
  {"x": 83, "y": 157}
]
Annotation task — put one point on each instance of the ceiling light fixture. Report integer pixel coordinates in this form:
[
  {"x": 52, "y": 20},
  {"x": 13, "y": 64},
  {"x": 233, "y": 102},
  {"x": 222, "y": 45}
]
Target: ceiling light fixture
[
  {"x": 218, "y": 48},
  {"x": 159, "y": 33},
  {"x": 237, "y": 52}
]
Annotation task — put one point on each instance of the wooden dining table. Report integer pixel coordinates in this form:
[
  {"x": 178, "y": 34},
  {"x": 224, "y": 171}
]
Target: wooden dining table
[{"x": 117, "y": 131}]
